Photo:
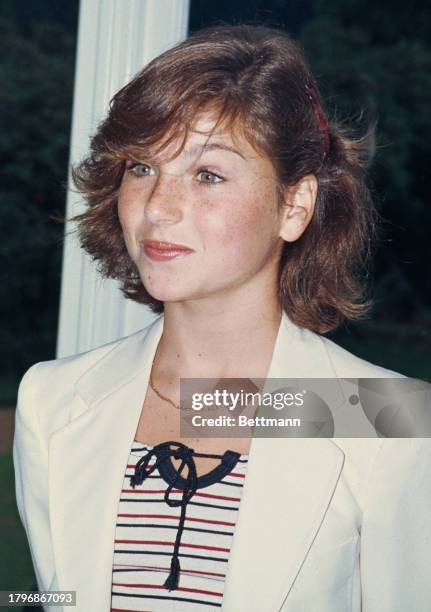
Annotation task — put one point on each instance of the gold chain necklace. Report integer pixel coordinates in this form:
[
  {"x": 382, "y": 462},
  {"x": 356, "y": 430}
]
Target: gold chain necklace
[{"x": 161, "y": 396}]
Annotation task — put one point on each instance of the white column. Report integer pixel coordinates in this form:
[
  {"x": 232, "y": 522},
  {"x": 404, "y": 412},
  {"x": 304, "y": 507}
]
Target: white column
[{"x": 116, "y": 38}]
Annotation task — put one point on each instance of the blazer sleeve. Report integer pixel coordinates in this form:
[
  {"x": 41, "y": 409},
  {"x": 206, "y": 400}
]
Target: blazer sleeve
[
  {"x": 30, "y": 457},
  {"x": 395, "y": 557}
]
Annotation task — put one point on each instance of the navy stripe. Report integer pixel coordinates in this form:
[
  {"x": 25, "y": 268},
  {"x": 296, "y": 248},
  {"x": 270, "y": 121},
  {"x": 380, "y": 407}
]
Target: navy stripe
[
  {"x": 176, "y": 527},
  {"x": 168, "y": 554},
  {"x": 199, "y": 601}
]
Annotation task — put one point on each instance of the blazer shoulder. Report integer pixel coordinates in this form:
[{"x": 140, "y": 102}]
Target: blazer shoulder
[
  {"x": 47, "y": 388},
  {"x": 73, "y": 366},
  {"x": 348, "y": 365}
]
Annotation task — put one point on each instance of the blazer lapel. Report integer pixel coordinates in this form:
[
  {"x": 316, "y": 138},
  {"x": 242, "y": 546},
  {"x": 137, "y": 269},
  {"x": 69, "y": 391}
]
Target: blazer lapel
[
  {"x": 88, "y": 458},
  {"x": 287, "y": 490}
]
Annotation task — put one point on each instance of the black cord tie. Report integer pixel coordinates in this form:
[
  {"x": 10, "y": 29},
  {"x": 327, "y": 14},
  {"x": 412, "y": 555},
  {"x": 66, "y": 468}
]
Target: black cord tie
[{"x": 162, "y": 452}]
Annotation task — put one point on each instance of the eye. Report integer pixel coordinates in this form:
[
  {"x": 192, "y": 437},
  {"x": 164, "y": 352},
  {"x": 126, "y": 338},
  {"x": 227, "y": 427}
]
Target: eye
[
  {"x": 140, "y": 169},
  {"x": 209, "y": 178}
]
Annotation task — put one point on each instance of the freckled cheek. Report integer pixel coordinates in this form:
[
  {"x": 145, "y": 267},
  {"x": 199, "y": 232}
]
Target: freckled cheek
[{"x": 234, "y": 237}]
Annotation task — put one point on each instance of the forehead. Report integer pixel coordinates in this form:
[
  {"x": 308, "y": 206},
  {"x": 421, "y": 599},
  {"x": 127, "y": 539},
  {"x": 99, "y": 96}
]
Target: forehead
[{"x": 206, "y": 133}]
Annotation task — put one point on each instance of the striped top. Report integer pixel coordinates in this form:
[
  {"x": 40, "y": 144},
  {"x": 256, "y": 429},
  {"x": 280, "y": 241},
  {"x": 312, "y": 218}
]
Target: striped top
[{"x": 147, "y": 528}]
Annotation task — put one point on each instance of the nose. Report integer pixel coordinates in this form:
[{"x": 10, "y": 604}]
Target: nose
[{"x": 164, "y": 203}]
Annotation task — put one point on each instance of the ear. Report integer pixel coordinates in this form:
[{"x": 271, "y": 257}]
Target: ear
[{"x": 298, "y": 208}]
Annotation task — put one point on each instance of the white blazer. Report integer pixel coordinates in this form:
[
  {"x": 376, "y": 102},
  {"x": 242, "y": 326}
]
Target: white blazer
[{"x": 325, "y": 525}]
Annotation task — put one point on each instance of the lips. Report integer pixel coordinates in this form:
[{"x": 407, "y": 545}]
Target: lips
[{"x": 162, "y": 251}]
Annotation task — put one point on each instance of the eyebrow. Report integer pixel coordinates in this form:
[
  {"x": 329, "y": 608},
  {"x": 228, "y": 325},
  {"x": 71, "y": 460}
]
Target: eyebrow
[{"x": 211, "y": 146}]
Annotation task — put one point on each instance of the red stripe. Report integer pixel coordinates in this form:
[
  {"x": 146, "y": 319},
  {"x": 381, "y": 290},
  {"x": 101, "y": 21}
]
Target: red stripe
[
  {"x": 218, "y": 496},
  {"x": 122, "y": 610},
  {"x": 237, "y": 499},
  {"x": 170, "y": 516},
  {"x": 158, "y": 586},
  {"x": 164, "y": 543}
]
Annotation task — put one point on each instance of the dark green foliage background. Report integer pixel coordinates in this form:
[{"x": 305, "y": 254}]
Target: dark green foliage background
[{"x": 36, "y": 68}]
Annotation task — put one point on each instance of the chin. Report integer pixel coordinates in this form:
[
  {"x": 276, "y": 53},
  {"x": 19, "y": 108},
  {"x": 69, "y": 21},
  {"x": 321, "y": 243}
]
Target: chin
[{"x": 167, "y": 294}]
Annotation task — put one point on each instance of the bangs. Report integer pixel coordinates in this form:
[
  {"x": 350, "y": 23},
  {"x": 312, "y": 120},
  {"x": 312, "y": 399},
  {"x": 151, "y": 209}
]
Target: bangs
[{"x": 149, "y": 131}]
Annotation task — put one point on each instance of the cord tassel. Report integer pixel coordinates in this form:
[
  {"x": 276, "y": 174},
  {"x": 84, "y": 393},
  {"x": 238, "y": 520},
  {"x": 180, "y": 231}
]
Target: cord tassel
[{"x": 171, "y": 582}]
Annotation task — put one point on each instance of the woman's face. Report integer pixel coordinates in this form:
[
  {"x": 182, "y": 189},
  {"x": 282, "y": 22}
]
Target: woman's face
[{"x": 217, "y": 198}]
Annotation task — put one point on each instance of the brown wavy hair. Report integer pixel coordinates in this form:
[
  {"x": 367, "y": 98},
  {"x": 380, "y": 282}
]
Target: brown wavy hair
[{"x": 256, "y": 77}]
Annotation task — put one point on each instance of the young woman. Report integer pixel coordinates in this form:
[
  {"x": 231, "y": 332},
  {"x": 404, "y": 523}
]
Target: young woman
[{"x": 219, "y": 195}]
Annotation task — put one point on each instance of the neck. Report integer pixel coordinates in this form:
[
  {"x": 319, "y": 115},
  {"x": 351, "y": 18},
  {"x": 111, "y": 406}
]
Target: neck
[{"x": 218, "y": 340}]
